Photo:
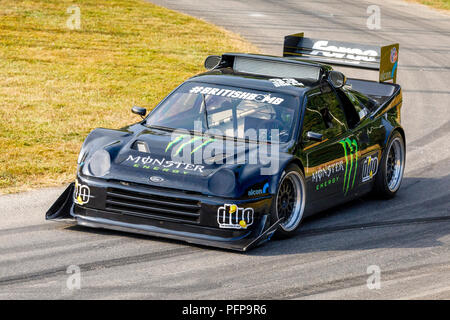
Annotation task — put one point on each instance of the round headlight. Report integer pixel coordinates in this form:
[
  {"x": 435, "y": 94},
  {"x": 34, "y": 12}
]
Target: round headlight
[
  {"x": 222, "y": 182},
  {"x": 100, "y": 163}
]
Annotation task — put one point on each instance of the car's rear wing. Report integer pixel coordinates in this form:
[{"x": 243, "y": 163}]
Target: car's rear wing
[{"x": 384, "y": 59}]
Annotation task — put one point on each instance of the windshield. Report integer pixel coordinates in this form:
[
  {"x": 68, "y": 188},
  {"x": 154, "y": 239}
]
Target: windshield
[{"x": 228, "y": 111}]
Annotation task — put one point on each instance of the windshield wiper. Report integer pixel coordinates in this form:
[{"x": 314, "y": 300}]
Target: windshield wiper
[{"x": 161, "y": 128}]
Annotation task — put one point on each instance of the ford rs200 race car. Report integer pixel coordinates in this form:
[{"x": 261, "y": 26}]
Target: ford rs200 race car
[{"x": 247, "y": 149}]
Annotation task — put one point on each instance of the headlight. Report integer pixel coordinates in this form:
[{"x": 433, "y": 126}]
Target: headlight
[
  {"x": 100, "y": 163},
  {"x": 222, "y": 182}
]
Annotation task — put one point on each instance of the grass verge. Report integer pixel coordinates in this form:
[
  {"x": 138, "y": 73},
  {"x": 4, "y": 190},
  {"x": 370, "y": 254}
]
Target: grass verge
[
  {"x": 437, "y": 4},
  {"x": 57, "y": 84}
]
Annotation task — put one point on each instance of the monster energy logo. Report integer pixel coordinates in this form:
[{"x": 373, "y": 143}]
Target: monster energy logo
[
  {"x": 184, "y": 144},
  {"x": 351, "y": 163}
]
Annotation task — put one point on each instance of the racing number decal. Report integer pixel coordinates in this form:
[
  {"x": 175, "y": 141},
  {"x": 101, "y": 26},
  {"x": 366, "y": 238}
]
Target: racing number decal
[{"x": 351, "y": 154}]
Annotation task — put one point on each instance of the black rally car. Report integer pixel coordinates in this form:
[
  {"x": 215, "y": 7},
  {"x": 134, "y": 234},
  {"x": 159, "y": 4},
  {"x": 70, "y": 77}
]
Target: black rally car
[{"x": 248, "y": 149}]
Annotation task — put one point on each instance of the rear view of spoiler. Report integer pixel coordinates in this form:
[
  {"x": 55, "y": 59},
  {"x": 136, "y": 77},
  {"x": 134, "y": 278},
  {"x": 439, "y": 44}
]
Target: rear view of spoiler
[{"x": 384, "y": 59}]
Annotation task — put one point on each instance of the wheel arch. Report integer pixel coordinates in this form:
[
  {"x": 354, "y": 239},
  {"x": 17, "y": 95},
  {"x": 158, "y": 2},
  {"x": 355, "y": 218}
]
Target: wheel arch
[
  {"x": 379, "y": 186},
  {"x": 298, "y": 163},
  {"x": 402, "y": 132},
  {"x": 277, "y": 178}
]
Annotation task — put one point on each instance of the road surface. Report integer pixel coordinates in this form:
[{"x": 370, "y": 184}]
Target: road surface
[{"x": 407, "y": 239}]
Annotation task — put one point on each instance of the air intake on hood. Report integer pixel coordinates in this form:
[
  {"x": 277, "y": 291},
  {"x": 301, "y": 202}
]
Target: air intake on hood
[{"x": 141, "y": 146}]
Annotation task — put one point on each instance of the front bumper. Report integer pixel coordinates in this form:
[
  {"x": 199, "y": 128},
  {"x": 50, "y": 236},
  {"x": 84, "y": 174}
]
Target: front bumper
[{"x": 161, "y": 212}]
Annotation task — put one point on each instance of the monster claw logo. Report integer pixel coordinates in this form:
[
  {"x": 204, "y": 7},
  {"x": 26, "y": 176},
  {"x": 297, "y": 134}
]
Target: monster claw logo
[
  {"x": 175, "y": 141},
  {"x": 351, "y": 163},
  {"x": 181, "y": 146}
]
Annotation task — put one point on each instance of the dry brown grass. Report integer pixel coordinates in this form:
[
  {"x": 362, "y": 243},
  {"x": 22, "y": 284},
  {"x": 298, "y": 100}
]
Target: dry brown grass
[{"x": 57, "y": 84}]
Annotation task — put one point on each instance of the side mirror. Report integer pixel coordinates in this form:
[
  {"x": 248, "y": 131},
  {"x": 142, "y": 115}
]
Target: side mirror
[
  {"x": 212, "y": 62},
  {"x": 314, "y": 136},
  {"x": 139, "y": 111},
  {"x": 337, "y": 79}
]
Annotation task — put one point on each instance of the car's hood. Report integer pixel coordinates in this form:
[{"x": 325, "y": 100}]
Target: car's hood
[
  {"x": 187, "y": 162},
  {"x": 182, "y": 153}
]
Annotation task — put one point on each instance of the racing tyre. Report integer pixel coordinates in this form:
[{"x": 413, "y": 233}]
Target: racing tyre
[
  {"x": 392, "y": 166},
  {"x": 289, "y": 202}
]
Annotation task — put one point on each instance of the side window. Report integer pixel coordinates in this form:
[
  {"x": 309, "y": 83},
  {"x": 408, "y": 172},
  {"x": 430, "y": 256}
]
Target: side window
[
  {"x": 352, "y": 107},
  {"x": 323, "y": 114},
  {"x": 361, "y": 103},
  {"x": 313, "y": 120}
]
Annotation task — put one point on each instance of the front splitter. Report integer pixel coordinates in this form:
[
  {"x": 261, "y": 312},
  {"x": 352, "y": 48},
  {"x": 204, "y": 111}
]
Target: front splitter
[{"x": 247, "y": 241}]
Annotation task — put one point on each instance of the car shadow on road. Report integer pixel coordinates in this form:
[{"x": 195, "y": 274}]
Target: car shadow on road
[{"x": 417, "y": 217}]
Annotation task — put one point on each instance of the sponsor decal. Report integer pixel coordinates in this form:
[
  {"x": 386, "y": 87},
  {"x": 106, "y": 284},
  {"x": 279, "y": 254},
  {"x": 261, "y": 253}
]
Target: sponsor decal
[
  {"x": 393, "y": 70},
  {"x": 386, "y": 75},
  {"x": 389, "y": 62},
  {"x": 394, "y": 55},
  {"x": 393, "y": 58},
  {"x": 163, "y": 165},
  {"x": 204, "y": 144},
  {"x": 327, "y": 171},
  {"x": 82, "y": 193},
  {"x": 369, "y": 167},
  {"x": 258, "y": 192},
  {"x": 351, "y": 163},
  {"x": 180, "y": 138},
  {"x": 322, "y": 49},
  {"x": 327, "y": 175},
  {"x": 243, "y": 95},
  {"x": 174, "y": 141},
  {"x": 207, "y": 150},
  {"x": 230, "y": 216},
  {"x": 156, "y": 179},
  {"x": 285, "y": 82},
  {"x": 180, "y": 148},
  {"x": 327, "y": 183}
]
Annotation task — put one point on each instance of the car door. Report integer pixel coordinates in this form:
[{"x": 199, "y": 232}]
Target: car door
[
  {"x": 368, "y": 136},
  {"x": 331, "y": 164}
]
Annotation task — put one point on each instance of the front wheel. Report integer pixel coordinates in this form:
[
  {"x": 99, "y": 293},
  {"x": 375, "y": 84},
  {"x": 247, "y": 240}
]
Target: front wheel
[
  {"x": 389, "y": 178},
  {"x": 289, "y": 202}
]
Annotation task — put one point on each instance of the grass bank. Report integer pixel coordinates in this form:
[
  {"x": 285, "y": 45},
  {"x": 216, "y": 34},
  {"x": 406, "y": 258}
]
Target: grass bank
[{"x": 437, "y": 4}]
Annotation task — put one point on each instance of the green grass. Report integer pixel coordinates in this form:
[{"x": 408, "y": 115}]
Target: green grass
[
  {"x": 437, "y": 4},
  {"x": 57, "y": 84}
]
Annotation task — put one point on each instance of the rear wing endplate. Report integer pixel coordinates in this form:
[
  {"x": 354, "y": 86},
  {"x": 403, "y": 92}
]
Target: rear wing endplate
[{"x": 384, "y": 59}]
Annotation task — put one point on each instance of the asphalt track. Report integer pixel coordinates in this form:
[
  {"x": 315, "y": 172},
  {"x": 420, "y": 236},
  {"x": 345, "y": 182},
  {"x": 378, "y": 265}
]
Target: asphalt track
[{"x": 408, "y": 237}]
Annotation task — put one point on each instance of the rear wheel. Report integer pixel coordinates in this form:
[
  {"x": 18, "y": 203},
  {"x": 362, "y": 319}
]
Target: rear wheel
[
  {"x": 390, "y": 175},
  {"x": 289, "y": 203}
]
